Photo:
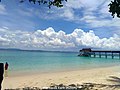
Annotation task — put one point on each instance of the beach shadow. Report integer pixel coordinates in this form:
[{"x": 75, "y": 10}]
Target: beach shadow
[
  {"x": 114, "y": 79},
  {"x": 95, "y": 86},
  {"x": 116, "y": 82},
  {"x": 114, "y": 86},
  {"x": 85, "y": 86}
]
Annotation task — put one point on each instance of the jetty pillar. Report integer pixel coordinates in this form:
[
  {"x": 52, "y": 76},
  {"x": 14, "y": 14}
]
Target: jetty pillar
[
  {"x": 105, "y": 54},
  {"x": 94, "y": 55},
  {"x": 99, "y": 54},
  {"x": 112, "y": 55},
  {"x": 90, "y": 54},
  {"x": 119, "y": 55}
]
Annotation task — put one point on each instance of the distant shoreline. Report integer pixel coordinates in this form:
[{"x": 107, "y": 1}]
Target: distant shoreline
[{"x": 10, "y": 49}]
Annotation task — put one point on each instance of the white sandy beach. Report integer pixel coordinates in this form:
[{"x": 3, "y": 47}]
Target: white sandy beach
[{"x": 98, "y": 75}]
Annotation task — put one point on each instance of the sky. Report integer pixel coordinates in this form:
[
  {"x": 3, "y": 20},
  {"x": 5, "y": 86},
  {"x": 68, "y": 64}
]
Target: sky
[{"x": 79, "y": 24}]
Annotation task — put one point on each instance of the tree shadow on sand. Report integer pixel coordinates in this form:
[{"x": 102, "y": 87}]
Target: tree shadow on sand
[
  {"x": 85, "y": 86},
  {"x": 114, "y": 86},
  {"x": 116, "y": 82},
  {"x": 114, "y": 79}
]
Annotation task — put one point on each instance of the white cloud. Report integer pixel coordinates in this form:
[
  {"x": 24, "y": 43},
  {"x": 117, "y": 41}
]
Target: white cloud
[
  {"x": 25, "y": 12},
  {"x": 92, "y": 13},
  {"x": 2, "y": 9},
  {"x": 68, "y": 13},
  {"x": 74, "y": 4},
  {"x": 51, "y": 40},
  {"x": 88, "y": 12},
  {"x": 93, "y": 21}
]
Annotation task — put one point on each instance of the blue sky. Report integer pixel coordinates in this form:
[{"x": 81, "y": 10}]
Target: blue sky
[{"x": 80, "y": 22}]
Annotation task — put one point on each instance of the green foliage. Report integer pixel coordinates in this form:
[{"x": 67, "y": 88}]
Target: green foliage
[
  {"x": 114, "y": 8},
  {"x": 57, "y": 3}
]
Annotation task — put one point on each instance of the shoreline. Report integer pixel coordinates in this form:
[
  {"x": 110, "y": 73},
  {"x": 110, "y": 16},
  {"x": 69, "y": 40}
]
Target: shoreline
[
  {"x": 26, "y": 73},
  {"x": 96, "y": 75}
]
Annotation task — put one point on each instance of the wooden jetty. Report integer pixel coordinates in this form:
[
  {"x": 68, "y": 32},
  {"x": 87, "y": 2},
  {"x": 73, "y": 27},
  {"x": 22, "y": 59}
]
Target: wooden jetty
[{"x": 87, "y": 52}]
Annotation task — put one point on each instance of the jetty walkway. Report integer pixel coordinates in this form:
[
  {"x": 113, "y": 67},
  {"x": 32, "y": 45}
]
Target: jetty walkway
[{"x": 87, "y": 52}]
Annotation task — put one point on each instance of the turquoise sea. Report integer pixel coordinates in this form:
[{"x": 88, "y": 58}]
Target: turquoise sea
[{"x": 31, "y": 62}]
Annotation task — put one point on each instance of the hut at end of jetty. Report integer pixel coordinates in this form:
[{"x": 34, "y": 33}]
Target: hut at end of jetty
[{"x": 85, "y": 52}]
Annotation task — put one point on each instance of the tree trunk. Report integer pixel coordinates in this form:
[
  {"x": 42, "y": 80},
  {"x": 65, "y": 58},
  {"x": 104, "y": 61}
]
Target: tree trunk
[{"x": 1, "y": 74}]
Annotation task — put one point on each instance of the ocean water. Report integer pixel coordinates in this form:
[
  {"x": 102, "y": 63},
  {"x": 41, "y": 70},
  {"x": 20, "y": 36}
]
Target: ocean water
[{"x": 25, "y": 61}]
